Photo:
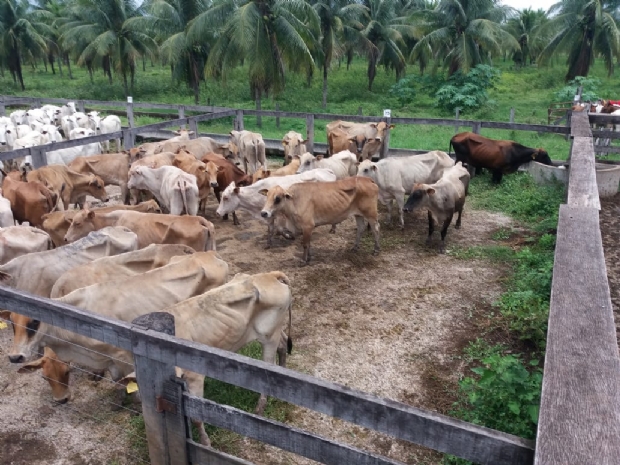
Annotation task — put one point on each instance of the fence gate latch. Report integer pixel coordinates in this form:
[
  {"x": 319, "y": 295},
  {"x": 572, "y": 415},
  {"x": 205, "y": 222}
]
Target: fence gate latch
[{"x": 163, "y": 405}]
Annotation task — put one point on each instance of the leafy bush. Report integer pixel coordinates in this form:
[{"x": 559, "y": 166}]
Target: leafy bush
[
  {"x": 468, "y": 92},
  {"x": 588, "y": 93},
  {"x": 403, "y": 90}
]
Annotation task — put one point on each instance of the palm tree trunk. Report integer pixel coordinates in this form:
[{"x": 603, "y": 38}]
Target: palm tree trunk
[
  {"x": 105, "y": 64},
  {"x": 372, "y": 71},
  {"x": 60, "y": 65},
  {"x": 15, "y": 65},
  {"x": 324, "y": 86},
  {"x": 259, "y": 118},
  {"x": 69, "y": 66},
  {"x": 143, "y": 64},
  {"x": 45, "y": 63},
  {"x": 125, "y": 83}
]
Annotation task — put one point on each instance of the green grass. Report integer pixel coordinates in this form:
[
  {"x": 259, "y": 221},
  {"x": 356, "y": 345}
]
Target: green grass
[{"x": 529, "y": 91}]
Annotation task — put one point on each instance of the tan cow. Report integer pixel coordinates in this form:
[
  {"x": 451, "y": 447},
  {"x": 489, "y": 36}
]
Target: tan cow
[
  {"x": 363, "y": 139},
  {"x": 151, "y": 161},
  {"x": 22, "y": 240},
  {"x": 287, "y": 170},
  {"x": 308, "y": 205},
  {"x": 56, "y": 224},
  {"x": 124, "y": 299},
  {"x": 202, "y": 146},
  {"x": 113, "y": 168},
  {"x": 30, "y": 201},
  {"x": 118, "y": 266},
  {"x": 206, "y": 173},
  {"x": 251, "y": 149},
  {"x": 294, "y": 145},
  {"x": 68, "y": 184},
  {"x": 248, "y": 308},
  {"x": 55, "y": 371},
  {"x": 193, "y": 231}
]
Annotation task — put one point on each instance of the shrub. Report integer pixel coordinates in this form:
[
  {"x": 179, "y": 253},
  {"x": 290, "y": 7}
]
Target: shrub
[
  {"x": 403, "y": 90},
  {"x": 588, "y": 93},
  {"x": 468, "y": 92}
]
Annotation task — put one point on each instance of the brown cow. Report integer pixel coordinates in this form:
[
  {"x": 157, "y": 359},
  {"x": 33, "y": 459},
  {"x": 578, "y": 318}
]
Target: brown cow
[
  {"x": 499, "y": 156},
  {"x": 55, "y": 371},
  {"x": 206, "y": 173},
  {"x": 56, "y": 224},
  {"x": 227, "y": 174},
  {"x": 311, "y": 204},
  {"x": 151, "y": 228},
  {"x": 30, "y": 201},
  {"x": 68, "y": 184},
  {"x": 363, "y": 139},
  {"x": 113, "y": 168}
]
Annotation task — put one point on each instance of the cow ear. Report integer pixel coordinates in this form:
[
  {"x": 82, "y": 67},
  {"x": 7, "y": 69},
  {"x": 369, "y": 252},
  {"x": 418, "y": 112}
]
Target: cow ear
[
  {"x": 5, "y": 314},
  {"x": 374, "y": 167},
  {"x": 32, "y": 366},
  {"x": 263, "y": 191},
  {"x": 430, "y": 191},
  {"x": 534, "y": 155},
  {"x": 288, "y": 195},
  {"x": 392, "y": 126},
  {"x": 202, "y": 168},
  {"x": 190, "y": 132},
  {"x": 373, "y": 125},
  {"x": 91, "y": 214},
  {"x": 176, "y": 133},
  {"x": 236, "y": 190},
  {"x": 220, "y": 168},
  {"x": 284, "y": 142},
  {"x": 319, "y": 157},
  {"x": 304, "y": 141},
  {"x": 267, "y": 173}
]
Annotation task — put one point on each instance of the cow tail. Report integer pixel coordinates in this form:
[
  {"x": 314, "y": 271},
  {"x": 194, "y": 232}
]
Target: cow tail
[
  {"x": 183, "y": 185},
  {"x": 450, "y": 147},
  {"x": 289, "y": 339}
]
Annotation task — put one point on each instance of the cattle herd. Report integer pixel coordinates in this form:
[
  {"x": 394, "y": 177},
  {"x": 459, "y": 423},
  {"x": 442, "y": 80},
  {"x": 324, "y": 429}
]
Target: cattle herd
[{"x": 156, "y": 250}]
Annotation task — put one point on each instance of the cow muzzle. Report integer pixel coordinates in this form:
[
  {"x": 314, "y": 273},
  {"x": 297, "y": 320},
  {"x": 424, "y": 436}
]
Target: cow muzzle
[
  {"x": 214, "y": 184},
  {"x": 17, "y": 358},
  {"x": 265, "y": 214}
]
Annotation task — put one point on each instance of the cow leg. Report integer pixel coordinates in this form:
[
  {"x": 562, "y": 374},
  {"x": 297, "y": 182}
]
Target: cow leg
[
  {"x": 134, "y": 193},
  {"x": 271, "y": 226},
  {"x": 444, "y": 231},
  {"x": 497, "y": 177},
  {"x": 400, "y": 201},
  {"x": 459, "y": 209},
  {"x": 307, "y": 235},
  {"x": 333, "y": 229},
  {"x": 124, "y": 193},
  {"x": 431, "y": 228},
  {"x": 374, "y": 226},
  {"x": 361, "y": 226},
  {"x": 389, "y": 212},
  {"x": 235, "y": 219},
  {"x": 270, "y": 349}
]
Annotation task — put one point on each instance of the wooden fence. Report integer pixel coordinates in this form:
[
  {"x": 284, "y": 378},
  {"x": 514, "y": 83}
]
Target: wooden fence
[{"x": 209, "y": 113}]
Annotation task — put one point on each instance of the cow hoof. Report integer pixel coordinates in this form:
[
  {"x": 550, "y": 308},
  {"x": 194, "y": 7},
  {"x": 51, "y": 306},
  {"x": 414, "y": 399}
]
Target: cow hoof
[
  {"x": 442, "y": 250},
  {"x": 355, "y": 249},
  {"x": 332, "y": 230},
  {"x": 225, "y": 217},
  {"x": 268, "y": 246},
  {"x": 288, "y": 235},
  {"x": 457, "y": 226},
  {"x": 376, "y": 251},
  {"x": 303, "y": 263}
]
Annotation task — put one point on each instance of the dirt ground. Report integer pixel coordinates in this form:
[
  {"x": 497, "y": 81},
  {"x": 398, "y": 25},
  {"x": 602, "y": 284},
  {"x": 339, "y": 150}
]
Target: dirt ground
[
  {"x": 610, "y": 230},
  {"x": 393, "y": 325}
]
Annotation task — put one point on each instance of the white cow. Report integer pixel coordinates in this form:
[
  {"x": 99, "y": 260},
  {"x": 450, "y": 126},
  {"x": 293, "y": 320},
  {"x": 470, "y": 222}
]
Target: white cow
[
  {"x": 6, "y": 214},
  {"x": 396, "y": 176},
  {"x": 248, "y": 198},
  {"x": 31, "y": 139},
  {"x": 251, "y": 149},
  {"x": 343, "y": 164},
  {"x": 51, "y": 111},
  {"x": 175, "y": 189},
  {"x": 82, "y": 120},
  {"x": 18, "y": 117},
  {"x": 53, "y": 133},
  {"x": 106, "y": 125},
  {"x": 66, "y": 110},
  {"x": 5, "y": 120},
  {"x": 68, "y": 123},
  {"x": 22, "y": 240},
  {"x": 8, "y": 136},
  {"x": 23, "y": 130},
  {"x": 294, "y": 144},
  {"x": 79, "y": 132},
  {"x": 37, "y": 115}
]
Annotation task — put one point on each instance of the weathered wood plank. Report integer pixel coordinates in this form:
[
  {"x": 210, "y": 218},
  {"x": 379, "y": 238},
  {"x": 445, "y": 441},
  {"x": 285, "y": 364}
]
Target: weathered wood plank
[
  {"x": 580, "y": 124},
  {"x": 280, "y": 435},
  {"x": 53, "y": 312},
  {"x": 202, "y": 455},
  {"x": 524, "y": 127},
  {"x": 582, "y": 187},
  {"x": 310, "y": 133},
  {"x": 580, "y": 408}
]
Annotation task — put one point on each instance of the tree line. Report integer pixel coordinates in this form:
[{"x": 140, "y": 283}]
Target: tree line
[{"x": 202, "y": 39}]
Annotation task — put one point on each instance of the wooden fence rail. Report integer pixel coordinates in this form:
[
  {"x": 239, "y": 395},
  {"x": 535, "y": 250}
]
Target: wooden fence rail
[
  {"x": 580, "y": 407},
  {"x": 163, "y": 352}
]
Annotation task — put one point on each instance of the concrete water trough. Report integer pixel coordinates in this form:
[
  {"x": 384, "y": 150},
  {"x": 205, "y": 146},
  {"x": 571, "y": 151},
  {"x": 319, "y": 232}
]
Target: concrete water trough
[{"x": 607, "y": 175}]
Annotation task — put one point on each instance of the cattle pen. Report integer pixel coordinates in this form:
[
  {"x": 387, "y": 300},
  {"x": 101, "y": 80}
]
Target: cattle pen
[{"x": 579, "y": 417}]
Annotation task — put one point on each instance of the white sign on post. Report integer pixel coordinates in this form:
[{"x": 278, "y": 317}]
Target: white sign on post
[
  {"x": 129, "y": 99},
  {"x": 577, "y": 98},
  {"x": 387, "y": 113}
]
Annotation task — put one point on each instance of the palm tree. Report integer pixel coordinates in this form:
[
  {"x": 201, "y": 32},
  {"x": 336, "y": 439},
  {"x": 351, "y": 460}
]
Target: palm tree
[
  {"x": 22, "y": 34},
  {"x": 340, "y": 32},
  {"x": 102, "y": 29},
  {"x": 385, "y": 31},
  {"x": 270, "y": 36},
  {"x": 582, "y": 29},
  {"x": 526, "y": 29},
  {"x": 167, "y": 21},
  {"x": 462, "y": 32}
]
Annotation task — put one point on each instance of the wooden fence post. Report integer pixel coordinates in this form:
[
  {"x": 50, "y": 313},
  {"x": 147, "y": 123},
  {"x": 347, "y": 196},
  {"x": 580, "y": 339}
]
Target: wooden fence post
[
  {"x": 476, "y": 127},
  {"x": 456, "y": 117},
  {"x": 385, "y": 144},
  {"x": 182, "y": 113},
  {"x": 2, "y": 107},
  {"x": 130, "y": 111},
  {"x": 36, "y": 103},
  {"x": 259, "y": 118},
  {"x": 80, "y": 105},
  {"x": 239, "y": 121},
  {"x": 512, "y": 115},
  {"x": 277, "y": 117},
  {"x": 129, "y": 139},
  {"x": 310, "y": 133},
  {"x": 193, "y": 126},
  {"x": 359, "y": 111},
  {"x": 163, "y": 420},
  {"x": 39, "y": 158}
]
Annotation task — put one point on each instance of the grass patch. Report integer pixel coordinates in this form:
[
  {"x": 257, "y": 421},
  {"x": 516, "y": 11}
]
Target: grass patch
[{"x": 137, "y": 435}]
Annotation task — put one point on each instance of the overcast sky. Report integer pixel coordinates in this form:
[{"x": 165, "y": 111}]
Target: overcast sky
[{"x": 534, "y": 4}]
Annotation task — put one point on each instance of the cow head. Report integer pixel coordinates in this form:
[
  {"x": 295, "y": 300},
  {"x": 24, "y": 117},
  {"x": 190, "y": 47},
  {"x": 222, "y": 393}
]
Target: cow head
[
  {"x": 276, "y": 198},
  {"x": 211, "y": 170},
  {"x": 541, "y": 156},
  {"x": 95, "y": 122},
  {"x": 136, "y": 153},
  {"x": 368, "y": 169},
  {"x": 307, "y": 162},
  {"x": 356, "y": 144},
  {"x": 261, "y": 173},
  {"x": 55, "y": 371},
  {"x": 419, "y": 197},
  {"x": 229, "y": 201},
  {"x": 137, "y": 177},
  {"x": 151, "y": 206},
  {"x": 183, "y": 133},
  {"x": 293, "y": 144},
  {"x": 82, "y": 225},
  {"x": 26, "y": 334},
  {"x": 96, "y": 188},
  {"x": 231, "y": 153}
]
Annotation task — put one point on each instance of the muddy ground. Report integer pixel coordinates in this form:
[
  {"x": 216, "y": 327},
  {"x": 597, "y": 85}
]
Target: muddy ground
[
  {"x": 393, "y": 325},
  {"x": 610, "y": 230}
]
